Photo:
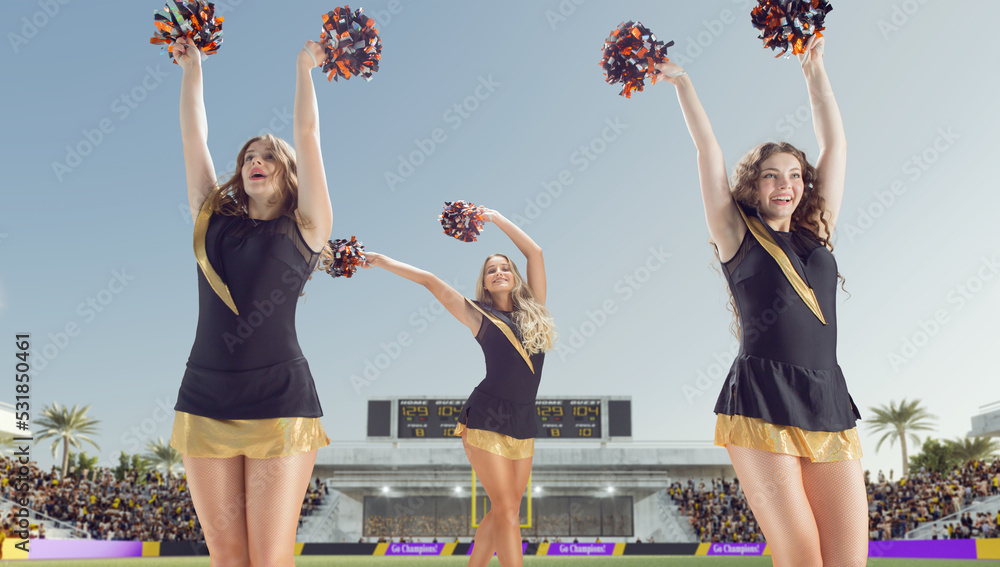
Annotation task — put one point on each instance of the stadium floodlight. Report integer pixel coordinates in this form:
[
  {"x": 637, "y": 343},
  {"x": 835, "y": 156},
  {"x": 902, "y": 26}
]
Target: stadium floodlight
[
  {"x": 538, "y": 489},
  {"x": 611, "y": 490},
  {"x": 458, "y": 490},
  {"x": 385, "y": 490}
]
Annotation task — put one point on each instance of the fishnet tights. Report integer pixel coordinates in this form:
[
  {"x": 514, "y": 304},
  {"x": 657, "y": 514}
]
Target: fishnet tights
[
  {"x": 811, "y": 514},
  {"x": 249, "y": 508}
]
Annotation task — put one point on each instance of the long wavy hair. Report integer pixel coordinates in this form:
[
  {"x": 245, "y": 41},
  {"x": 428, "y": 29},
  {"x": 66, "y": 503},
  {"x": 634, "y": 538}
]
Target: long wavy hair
[
  {"x": 809, "y": 215},
  {"x": 231, "y": 198},
  {"x": 533, "y": 320}
]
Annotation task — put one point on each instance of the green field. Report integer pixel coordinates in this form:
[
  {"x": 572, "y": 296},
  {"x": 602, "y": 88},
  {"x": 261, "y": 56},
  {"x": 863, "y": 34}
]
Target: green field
[{"x": 633, "y": 561}]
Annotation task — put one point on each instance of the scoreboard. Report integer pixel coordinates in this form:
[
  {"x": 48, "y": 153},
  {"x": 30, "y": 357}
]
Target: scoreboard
[
  {"x": 574, "y": 419},
  {"x": 423, "y": 418}
]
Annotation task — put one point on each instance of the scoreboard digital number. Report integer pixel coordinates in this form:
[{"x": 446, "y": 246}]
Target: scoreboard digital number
[
  {"x": 428, "y": 419},
  {"x": 556, "y": 419},
  {"x": 569, "y": 419}
]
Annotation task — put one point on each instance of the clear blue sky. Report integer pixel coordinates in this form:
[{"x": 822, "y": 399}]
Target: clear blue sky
[{"x": 95, "y": 235}]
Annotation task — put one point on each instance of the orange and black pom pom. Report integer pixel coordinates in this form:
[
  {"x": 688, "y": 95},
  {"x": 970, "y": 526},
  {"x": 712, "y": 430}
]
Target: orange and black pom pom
[
  {"x": 629, "y": 55},
  {"x": 348, "y": 256},
  {"x": 194, "y": 20},
  {"x": 788, "y": 24},
  {"x": 462, "y": 220},
  {"x": 352, "y": 45}
]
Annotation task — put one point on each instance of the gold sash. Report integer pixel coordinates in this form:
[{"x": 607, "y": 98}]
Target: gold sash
[
  {"x": 766, "y": 239},
  {"x": 506, "y": 331},
  {"x": 200, "y": 229}
]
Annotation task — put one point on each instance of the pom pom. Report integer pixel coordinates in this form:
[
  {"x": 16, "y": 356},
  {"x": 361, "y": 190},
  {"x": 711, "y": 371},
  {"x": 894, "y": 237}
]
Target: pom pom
[
  {"x": 462, "y": 220},
  {"x": 351, "y": 43},
  {"x": 194, "y": 20},
  {"x": 348, "y": 255},
  {"x": 788, "y": 24},
  {"x": 629, "y": 55}
]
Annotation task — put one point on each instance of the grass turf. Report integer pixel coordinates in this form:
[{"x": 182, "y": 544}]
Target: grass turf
[{"x": 367, "y": 561}]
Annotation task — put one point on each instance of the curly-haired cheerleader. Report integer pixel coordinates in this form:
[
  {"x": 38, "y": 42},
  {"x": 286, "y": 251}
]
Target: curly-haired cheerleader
[{"x": 785, "y": 414}]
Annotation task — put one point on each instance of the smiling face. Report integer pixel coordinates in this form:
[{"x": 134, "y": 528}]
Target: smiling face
[
  {"x": 497, "y": 276},
  {"x": 260, "y": 170},
  {"x": 779, "y": 186}
]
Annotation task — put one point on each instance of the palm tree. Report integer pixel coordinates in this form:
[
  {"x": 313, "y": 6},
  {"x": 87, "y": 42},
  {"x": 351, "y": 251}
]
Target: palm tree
[
  {"x": 128, "y": 464},
  {"x": 161, "y": 455},
  {"x": 70, "y": 426},
  {"x": 898, "y": 422},
  {"x": 975, "y": 449},
  {"x": 81, "y": 462}
]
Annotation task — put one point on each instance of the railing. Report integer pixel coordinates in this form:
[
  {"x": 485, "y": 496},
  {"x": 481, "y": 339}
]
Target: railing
[
  {"x": 61, "y": 524},
  {"x": 926, "y": 530},
  {"x": 675, "y": 527},
  {"x": 319, "y": 522}
]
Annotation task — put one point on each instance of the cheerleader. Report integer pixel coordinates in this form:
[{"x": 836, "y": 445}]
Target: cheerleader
[
  {"x": 497, "y": 423},
  {"x": 784, "y": 413},
  {"x": 247, "y": 414}
]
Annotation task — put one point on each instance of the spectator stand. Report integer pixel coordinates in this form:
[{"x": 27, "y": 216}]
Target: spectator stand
[
  {"x": 989, "y": 507},
  {"x": 613, "y": 490},
  {"x": 97, "y": 505},
  {"x": 322, "y": 526},
  {"x": 51, "y": 527},
  {"x": 963, "y": 503}
]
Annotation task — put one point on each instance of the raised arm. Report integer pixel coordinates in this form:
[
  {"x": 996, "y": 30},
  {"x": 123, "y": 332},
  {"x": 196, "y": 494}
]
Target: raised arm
[
  {"x": 534, "y": 271},
  {"x": 198, "y": 167},
  {"x": 453, "y": 301},
  {"x": 315, "y": 210},
  {"x": 829, "y": 126},
  {"x": 724, "y": 222}
]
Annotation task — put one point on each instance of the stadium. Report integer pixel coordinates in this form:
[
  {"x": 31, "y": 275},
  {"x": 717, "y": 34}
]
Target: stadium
[
  {"x": 505, "y": 107},
  {"x": 407, "y": 490}
]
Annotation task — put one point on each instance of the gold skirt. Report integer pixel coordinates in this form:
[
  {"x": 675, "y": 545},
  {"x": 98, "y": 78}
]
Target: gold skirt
[
  {"x": 817, "y": 446},
  {"x": 204, "y": 437},
  {"x": 504, "y": 445}
]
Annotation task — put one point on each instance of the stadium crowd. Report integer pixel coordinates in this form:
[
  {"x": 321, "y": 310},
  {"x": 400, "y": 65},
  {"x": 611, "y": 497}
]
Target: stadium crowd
[
  {"x": 149, "y": 506},
  {"x": 896, "y": 508},
  {"x": 144, "y": 506},
  {"x": 719, "y": 511}
]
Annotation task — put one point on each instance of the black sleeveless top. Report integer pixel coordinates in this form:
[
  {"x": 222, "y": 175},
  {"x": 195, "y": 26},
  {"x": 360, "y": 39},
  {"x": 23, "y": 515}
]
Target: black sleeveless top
[
  {"x": 504, "y": 402},
  {"x": 250, "y": 366},
  {"x": 786, "y": 372}
]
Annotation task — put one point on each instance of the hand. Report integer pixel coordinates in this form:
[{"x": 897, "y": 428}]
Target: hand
[
  {"x": 372, "y": 259},
  {"x": 312, "y": 50},
  {"x": 813, "y": 52},
  {"x": 489, "y": 214},
  {"x": 668, "y": 71},
  {"x": 187, "y": 54}
]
